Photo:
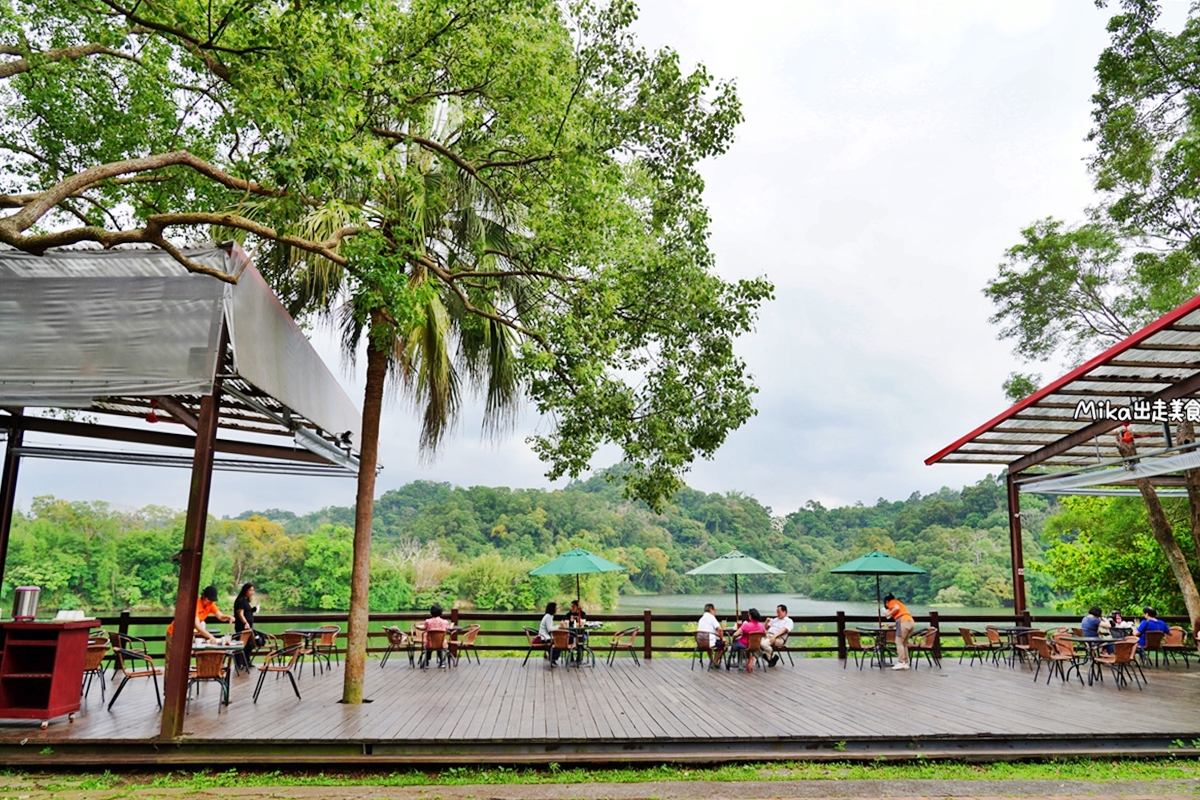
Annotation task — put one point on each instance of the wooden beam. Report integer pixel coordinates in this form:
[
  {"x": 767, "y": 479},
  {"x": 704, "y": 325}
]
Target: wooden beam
[
  {"x": 1190, "y": 366},
  {"x": 177, "y": 411},
  {"x": 1015, "y": 545}
]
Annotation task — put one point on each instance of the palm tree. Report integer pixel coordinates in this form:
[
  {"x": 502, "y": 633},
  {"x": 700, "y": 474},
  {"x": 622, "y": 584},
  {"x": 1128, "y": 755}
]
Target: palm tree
[{"x": 429, "y": 335}]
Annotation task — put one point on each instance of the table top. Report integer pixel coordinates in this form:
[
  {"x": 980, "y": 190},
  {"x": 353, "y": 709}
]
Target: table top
[
  {"x": 873, "y": 629},
  {"x": 309, "y": 631},
  {"x": 220, "y": 648},
  {"x": 1014, "y": 629},
  {"x": 1088, "y": 639}
]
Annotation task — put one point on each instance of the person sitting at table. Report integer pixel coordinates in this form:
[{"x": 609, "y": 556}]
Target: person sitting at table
[
  {"x": 780, "y": 624},
  {"x": 545, "y": 634},
  {"x": 243, "y": 619},
  {"x": 206, "y": 607},
  {"x": 1150, "y": 622},
  {"x": 709, "y": 625},
  {"x": 1093, "y": 622},
  {"x": 576, "y": 618},
  {"x": 437, "y": 622},
  {"x": 1118, "y": 623},
  {"x": 898, "y": 613},
  {"x": 752, "y": 622}
]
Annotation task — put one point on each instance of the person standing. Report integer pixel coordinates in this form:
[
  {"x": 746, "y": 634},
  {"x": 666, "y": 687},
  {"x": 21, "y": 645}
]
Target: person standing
[
  {"x": 243, "y": 619},
  {"x": 898, "y": 613}
]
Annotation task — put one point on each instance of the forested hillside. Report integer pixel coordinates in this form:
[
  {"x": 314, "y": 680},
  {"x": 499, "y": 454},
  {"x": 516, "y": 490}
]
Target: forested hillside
[{"x": 477, "y": 545}]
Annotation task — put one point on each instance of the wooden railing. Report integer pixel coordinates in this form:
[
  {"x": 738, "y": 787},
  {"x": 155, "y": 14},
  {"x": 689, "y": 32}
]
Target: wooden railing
[{"x": 658, "y": 633}]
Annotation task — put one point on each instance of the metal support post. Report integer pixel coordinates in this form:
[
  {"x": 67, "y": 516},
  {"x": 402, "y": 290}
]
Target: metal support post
[
  {"x": 8, "y": 486},
  {"x": 1018, "y": 554}
]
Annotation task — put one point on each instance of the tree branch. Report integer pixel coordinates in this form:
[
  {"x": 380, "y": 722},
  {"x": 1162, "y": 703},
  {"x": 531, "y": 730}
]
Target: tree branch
[{"x": 23, "y": 64}]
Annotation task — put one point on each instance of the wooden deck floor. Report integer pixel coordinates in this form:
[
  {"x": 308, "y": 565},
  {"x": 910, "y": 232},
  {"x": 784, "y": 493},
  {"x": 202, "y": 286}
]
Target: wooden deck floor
[{"x": 502, "y": 711}]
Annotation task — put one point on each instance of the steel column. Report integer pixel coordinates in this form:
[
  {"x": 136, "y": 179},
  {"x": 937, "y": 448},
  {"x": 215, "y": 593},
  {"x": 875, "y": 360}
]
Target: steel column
[
  {"x": 1016, "y": 546},
  {"x": 179, "y": 654},
  {"x": 8, "y": 487}
]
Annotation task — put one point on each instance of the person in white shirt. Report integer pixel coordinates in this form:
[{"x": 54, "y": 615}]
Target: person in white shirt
[
  {"x": 778, "y": 626},
  {"x": 716, "y": 640}
]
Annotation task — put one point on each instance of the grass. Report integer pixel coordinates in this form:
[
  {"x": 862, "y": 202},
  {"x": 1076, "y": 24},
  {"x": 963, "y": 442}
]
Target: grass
[{"x": 1063, "y": 769}]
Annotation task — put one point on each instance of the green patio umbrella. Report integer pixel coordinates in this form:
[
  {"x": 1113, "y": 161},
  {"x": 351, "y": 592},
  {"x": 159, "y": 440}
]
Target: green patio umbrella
[
  {"x": 735, "y": 563},
  {"x": 877, "y": 563},
  {"x": 575, "y": 562}
]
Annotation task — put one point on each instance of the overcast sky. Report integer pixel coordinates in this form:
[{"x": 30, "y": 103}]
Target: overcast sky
[{"x": 891, "y": 152}]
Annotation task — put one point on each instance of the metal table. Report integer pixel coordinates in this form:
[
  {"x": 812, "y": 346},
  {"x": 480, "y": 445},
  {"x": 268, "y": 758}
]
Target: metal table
[
  {"x": 1012, "y": 632},
  {"x": 1092, "y": 645},
  {"x": 879, "y": 636}
]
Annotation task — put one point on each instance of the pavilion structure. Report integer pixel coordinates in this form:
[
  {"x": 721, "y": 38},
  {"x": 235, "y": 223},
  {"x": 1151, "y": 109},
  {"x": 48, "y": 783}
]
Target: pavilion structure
[
  {"x": 128, "y": 348},
  {"x": 1060, "y": 440}
]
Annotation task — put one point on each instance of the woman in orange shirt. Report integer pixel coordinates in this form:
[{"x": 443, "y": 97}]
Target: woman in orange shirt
[
  {"x": 898, "y": 612},
  {"x": 205, "y": 608}
]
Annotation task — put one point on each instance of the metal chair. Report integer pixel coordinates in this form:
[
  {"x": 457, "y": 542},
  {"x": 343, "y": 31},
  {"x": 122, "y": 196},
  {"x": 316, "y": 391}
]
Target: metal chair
[
  {"x": 1174, "y": 644},
  {"x": 978, "y": 650},
  {"x": 780, "y": 648},
  {"x": 624, "y": 640},
  {"x": 925, "y": 646},
  {"x": 210, "y": 666},
  {"x": 996, "y": 644},
  {"x": 1123, "y": 663},
  {"x": 741, "y": 655},
  {"x": 564, "y": 645},
  {"x": 435, "y": 641},
  {"x": 397, "y": 639},
  {"x": 326, "y": 646},
  {"x": 302, "y": 649},
  {"x": 121, "y": 641},
  {"x": 857, "y": 649},
  {"x": 280, "y": 662},
  {"x": 128, "y": 662},
  {"x": 1154, "y": 644},
  {"x": 705, "y": 648},
  {"x": 531, "y": 635}
]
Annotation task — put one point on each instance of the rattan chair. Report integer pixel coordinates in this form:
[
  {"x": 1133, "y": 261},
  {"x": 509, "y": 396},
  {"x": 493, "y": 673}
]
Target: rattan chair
[
  {"x": 210, "y": 666},
  {"x": 531, "y": 635},
  {"x": 1154, "y": 644},
  {"x": 121, "y": 641},
  {"x": 1175, "y": 644},
  {"x": 977, "y": 650},
  {"x": 996, "y": 643},
  {"x": 435, "y": 641},
  {"x": 624, "y": 640},
  {"x": 705, "y": 651},
  {"x": 135, "y": 664},
  {"x": 858, "y": 649},
  {"x": 242, "y": 659},
  {"x": 739, "y": 656},
  {"x": 1065, "y": 658},
  {"x": 326, "y": 646},
  {"x": 280, "y": 662},
  {"x": 466, "y": 644},
  {"x": 94, "y": 667},
  {"x": 397, "y": 639},
  {"x": 564, "y": 645},
  {"x": 303, "y": 649},
  {"x": 1123, "y": 663},
  {"x": 925, "y": 646},
  {"x": 780, "y": 649}
]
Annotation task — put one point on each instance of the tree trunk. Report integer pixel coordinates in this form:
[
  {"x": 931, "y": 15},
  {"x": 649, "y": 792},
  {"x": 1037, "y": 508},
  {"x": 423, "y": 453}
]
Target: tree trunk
[
  {"x": 1186, "y": 434},
  {"x": 1165, "y": 536},
  {"x": 360, "y": 578}
]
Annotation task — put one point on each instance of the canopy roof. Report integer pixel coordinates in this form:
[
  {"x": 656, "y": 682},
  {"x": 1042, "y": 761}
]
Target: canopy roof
[
  {"x": 1138, "y": 379},
  {"x": 132, "y": 333},
  {"x": 735, "y": 563},
  {"x": 877, "y": 563},
  {"x": 576, "y": 562}
]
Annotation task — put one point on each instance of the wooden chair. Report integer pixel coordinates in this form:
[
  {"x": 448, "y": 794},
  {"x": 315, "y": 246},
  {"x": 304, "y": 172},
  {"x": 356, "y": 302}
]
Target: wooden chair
[
  {"x": 858, "y": 649},
  {"x": 435, "y": 641},
  {"x": 135, "y": 664},
  {"x": 625, "y": 640},
  {"x": 466, "y": 644},
  {"x": 210, "y": 666},
  {"x": 93, "y": 667},
  {"x": 1174, "y": 644},
  {"x": 397, "y": 639},
  {"x": 977, "y": 650},
  {"x": 326, "y": 646},
  {"x": 1123, "y": 663},
  {"x": 925, "y": 646},
  {"x": 531, "y": 635},
  {"x": 740, "y": 655},
  {"x": 280, "y": 662},
  {"x": 705, "y": 650}
]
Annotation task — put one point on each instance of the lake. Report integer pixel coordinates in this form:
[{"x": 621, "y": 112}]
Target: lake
[{"x": 797, "y": 606}]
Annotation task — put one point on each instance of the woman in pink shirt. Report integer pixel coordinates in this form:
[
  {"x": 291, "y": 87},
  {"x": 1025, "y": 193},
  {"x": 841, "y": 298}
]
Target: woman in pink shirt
[
  {"x": 437, "y": 622},
  {"x": 752, "y": 622}
]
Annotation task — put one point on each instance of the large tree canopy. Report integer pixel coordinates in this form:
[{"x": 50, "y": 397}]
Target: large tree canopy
[{"x": 163, "y": 122}]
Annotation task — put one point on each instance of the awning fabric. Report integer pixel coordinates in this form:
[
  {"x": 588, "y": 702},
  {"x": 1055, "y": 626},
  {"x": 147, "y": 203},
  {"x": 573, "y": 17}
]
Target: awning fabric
[{"x": 85, "y": 329}]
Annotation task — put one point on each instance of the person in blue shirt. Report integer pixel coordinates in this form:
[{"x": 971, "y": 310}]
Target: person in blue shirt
[
  {"x": 1150, "y": 622},
  {"x": 1091, "y": 623}
]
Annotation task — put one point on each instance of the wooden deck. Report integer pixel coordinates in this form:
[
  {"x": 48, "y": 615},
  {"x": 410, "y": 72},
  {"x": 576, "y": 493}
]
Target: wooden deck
[{"x": 502, "y": 712}]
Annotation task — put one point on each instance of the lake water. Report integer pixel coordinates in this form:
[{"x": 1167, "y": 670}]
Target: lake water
[{"x": 797, "y": 606}]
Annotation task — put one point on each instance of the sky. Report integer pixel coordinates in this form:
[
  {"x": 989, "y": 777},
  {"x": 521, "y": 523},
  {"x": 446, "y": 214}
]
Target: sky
[{"x": 890, "y": 154}]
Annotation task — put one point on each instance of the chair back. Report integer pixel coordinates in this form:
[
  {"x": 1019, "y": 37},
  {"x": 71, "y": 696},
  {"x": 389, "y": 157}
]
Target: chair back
[
  {"x": 1064, "y": 645},
  {"x": 245, "y": 636},
  {"x": 627, "y": 637},
  {"x": 95, "y": 656},
  {"x": 889, "y": 636},
  {"x": 967, "y": 637},
  {"x": 531, "y": 635},
  {"x": 283, "y": 659},
  {"x": 993, "y": 635},
  {"x": 1174, "y": 637},
  {"x": 754, "y": 640},
  {"x": 468, "y": 638},
  {"x": 561, "y": 639},
  {"x": 1123, "y": 651},
  {"x": 435, "y": 640},
  {"x": 329, "y": 636},
  {"x": 1041, "y": 647},
  {"x": 396, "y": 637},
  {"x": 417, "y": 634},
  {"x": 133, "y": 663},
  {"x": 781, "y": 640},
  {"x": 1154, "y": 640},
  {"x": 209, "y": 665},
  {"x": 1077, "y": 631},
  {"x": 293, "y": 640},
  {"x": 703, "y": 640},
  {"x": 854, "y": 640},
  {"x": 930, "y": 638}
]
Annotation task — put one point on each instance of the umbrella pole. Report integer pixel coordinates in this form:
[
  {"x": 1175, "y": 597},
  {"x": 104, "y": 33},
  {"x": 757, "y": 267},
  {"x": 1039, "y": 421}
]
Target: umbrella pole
[
  {"x": 737, "y": 606},
  {"x": 878, "y": 602},
  {"x": 577, "y": 597}
]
